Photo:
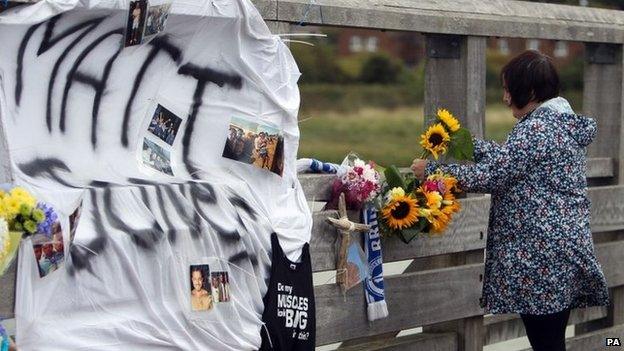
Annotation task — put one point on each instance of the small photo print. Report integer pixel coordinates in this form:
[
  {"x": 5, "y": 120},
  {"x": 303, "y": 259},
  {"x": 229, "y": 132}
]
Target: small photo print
[
  {"x": 49, "y": 252},
  {"x": 165, "y": 125},
  {"x": 220, "y": 286},
  {"x": 74, "y": 218},
  {"x": 201, "y": 298},
  {"x": 156, "y": 157},
  {"x": 256, "y": 144},
  {"x": 136, "y": 22},
  {"x": 156, "y": 19},
  {"x": 357, "y": 267}
]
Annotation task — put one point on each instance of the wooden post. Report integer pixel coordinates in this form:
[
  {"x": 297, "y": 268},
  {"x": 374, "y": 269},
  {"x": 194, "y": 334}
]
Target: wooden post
[
  {"x": 602, "y": 100},
  {"x": 455, "y": 79}
]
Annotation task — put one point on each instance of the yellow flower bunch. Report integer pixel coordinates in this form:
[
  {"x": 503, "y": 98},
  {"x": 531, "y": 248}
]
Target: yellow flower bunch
[
  {"x": 13, "y": 202},
  {"x": 446, "y": 135},
  {"x": 409, "y": 207}
]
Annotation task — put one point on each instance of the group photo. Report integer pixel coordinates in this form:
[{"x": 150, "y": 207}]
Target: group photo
[
  {"x": 164, "y": 125},
  {"x": 156, "y": 157},
  {"x": 256, "y": 144}
]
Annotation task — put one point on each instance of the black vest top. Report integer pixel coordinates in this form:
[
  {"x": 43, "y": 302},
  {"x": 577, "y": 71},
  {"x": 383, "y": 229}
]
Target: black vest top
[{"x": 289, "y": 311}]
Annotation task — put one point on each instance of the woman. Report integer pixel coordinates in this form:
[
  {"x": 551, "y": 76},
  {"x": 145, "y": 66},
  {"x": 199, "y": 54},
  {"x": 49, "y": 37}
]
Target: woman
[
  {"x": 201, "y": 300},
  {"x": 540, "y": 259}
]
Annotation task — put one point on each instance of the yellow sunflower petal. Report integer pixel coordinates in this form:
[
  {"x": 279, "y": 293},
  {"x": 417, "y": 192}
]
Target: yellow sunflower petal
[{"x": 449, "y": 120}]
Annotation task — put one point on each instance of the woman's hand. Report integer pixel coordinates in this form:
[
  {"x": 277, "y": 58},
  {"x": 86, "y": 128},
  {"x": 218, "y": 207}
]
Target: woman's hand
[{"x": 418, "y": 167}]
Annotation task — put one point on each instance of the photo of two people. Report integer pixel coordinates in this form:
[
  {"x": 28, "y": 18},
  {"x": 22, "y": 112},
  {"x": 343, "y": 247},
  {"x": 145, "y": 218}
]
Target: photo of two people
[
  {"x": 208, "y": 289},
  {"x": 256, "y": 144},
  {"x": 49, "y": 251},
  {"x": 145, "y": 21}
]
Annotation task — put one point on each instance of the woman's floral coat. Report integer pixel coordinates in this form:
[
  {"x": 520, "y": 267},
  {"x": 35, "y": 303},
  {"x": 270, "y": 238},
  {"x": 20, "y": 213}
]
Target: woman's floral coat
[{"x": 539, "y": 255}]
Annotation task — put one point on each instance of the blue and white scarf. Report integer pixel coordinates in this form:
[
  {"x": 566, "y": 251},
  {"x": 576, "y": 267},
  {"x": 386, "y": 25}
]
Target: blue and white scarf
[{"x": 374, "y": 284}]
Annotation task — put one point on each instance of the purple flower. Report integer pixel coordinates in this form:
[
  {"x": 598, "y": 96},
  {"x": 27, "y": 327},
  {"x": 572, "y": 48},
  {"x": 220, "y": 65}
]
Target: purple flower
[{"x": 51, "y": 217}]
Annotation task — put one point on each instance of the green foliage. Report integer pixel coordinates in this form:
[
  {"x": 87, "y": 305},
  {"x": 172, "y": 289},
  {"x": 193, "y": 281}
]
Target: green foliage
[
  {"x": 394, "y": 178},
  {"x": 352, "y": 97},
  {"x": 461, "y": 146},
  {"x": 382, "y": 69},
  {"x": 318, "y": 63}
]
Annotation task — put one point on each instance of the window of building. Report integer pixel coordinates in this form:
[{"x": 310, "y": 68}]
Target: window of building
[
  {"x": 503, "y": 46},
  {"x": 533, "y": 44},
  {"x": 371, "y": 44},
  {"x": 561, "y": 49},
  {"x": 355, "y": 44}
]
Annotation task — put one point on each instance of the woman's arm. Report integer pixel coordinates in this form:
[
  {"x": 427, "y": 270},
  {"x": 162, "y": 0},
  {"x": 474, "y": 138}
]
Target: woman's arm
[
  {"x": 484, "y": 149},
  {"x": 527, "y": 144}
]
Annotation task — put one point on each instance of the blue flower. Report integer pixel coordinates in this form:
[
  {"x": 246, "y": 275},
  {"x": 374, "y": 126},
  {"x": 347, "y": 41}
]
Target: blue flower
[{"x": 51, "y": 217}]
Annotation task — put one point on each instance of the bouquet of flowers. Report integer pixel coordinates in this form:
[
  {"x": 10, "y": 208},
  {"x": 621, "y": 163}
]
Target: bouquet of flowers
[
  {"x": 409, "y": 207},
  {"x": 447, "y": 136},
  {"x": 359, "y": 181},
  {"x": 21, "y": 215},
  {"x": 21, "y": 211}
]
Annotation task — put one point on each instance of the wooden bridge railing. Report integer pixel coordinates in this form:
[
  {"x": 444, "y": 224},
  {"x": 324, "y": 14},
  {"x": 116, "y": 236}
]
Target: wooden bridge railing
[{"x": 440, "y": 289}]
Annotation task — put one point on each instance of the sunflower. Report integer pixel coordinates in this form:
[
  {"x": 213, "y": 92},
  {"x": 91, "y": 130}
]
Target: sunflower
[
  {"x": 401, "y": 212},
  {"x": 435, "y": 140},
  {"x": 449, "y": 120}
]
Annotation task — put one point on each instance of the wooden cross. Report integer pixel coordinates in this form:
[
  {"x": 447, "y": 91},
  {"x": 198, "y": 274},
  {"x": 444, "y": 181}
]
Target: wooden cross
[{"x": 344, "y": 227}]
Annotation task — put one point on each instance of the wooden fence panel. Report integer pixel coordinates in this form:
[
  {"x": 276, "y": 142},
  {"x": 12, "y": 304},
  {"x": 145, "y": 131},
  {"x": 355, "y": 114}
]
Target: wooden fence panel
[
  {"x": 414, "y": 299},
  {"x": 467, "y": 232}
]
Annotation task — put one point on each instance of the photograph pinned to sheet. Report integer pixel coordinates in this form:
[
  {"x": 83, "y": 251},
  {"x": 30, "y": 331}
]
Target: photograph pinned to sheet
[
  {"x": 157, "y": 16},
  {"x": 145, "y": 20},
  {"x": 220, "y": 283},
  {"x": 200, "y": 288},
  {"x": 74, "y": 218},
  {"x": 164, "y": 124},
  {"x": 49, "y": 250},
  {"x": 156, "y": 157},
  {"x": 357, "y": 266},
  {"x": 257, "y": 144},
  {"x": 161, "y": 128},
  {"x": 135, "y": 24}
]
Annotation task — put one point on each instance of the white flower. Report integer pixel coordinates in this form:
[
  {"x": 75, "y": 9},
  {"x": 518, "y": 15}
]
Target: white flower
[
  {"x": 359, "y": 163},
  {"x": 370, "y": 174},
  {"x": 4, "y": 236}
]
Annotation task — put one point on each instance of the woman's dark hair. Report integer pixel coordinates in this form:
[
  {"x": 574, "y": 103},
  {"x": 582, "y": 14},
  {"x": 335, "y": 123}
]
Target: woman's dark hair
[{"x": 530, "y": 76}]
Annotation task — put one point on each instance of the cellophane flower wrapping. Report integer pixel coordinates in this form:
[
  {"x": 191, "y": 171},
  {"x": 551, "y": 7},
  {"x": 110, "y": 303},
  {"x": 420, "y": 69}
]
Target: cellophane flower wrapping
[{"x": 358, "y": 180}]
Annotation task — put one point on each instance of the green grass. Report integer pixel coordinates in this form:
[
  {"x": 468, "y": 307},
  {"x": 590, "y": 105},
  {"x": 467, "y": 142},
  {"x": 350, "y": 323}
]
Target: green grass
[{"x": 387, "y": 136}]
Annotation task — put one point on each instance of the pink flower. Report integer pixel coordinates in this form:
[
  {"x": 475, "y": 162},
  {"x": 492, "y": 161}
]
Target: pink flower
[{"x": 430, "y": 185}]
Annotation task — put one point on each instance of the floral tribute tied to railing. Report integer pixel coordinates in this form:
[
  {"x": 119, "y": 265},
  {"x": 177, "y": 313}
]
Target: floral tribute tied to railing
[
  {"x": 21, "y": 216},
  {"x": 408, "y": 206}
]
